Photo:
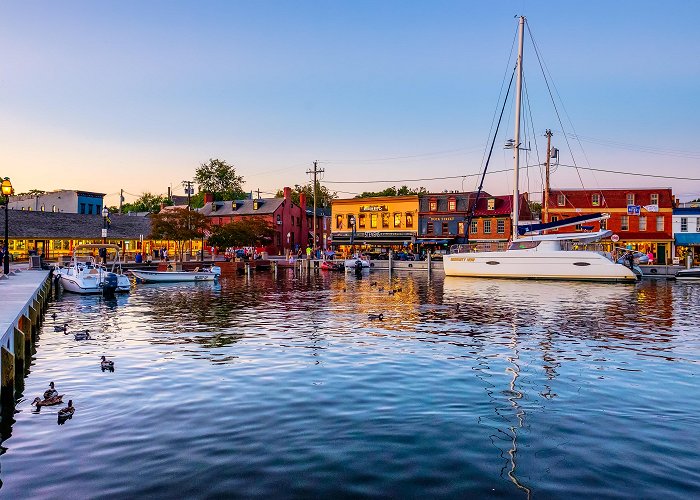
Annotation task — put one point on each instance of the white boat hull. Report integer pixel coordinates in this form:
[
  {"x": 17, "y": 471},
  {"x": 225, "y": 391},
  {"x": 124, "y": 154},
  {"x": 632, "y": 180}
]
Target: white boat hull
[
  {"x": 173, "y": 276},
  {"x": 529, "y": 264},
  {"x": 350, "y": 263},
  {"x": 90, "y": 284}
]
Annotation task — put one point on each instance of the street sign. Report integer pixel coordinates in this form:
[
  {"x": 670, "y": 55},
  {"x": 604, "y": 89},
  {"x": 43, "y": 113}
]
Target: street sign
[
  {"x": 104, "y": 233},
  {"x": 615, "y": 238},
  {"x": 634, "y": 209}
]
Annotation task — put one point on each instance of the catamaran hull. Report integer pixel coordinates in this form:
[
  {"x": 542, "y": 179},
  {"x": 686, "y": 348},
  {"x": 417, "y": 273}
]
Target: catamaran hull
[
  {"x": 173, "y": 276},
  {"x": 562, "y": 265}
]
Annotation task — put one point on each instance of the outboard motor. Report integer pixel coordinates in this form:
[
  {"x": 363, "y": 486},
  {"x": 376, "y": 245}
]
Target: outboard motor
[
  {"x": 358, "y": 267},
  {"x": 109, "y": 285}
]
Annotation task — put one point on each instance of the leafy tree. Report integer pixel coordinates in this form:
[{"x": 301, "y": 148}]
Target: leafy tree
[
  {"x": 249, "y": 231},
  {"x": 147, "y": 202},
  {"x": 392, "y": 191},
  {"x": 325, "y": 196},
  {"x": 220, "y": 179},
  {"x": 536, "y": 209},
  {"x": 33, "y": 192},
  {"x": 178, "y": 225}
]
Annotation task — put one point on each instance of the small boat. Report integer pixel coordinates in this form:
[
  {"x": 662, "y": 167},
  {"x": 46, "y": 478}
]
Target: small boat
[
  {"x": 330, "y": 265},
  {"x": 357, "y": 262},
  {"x": 210, "y": 274},
  {"x": 85, "y": 275},
  {"x": 689, "y": 274}
]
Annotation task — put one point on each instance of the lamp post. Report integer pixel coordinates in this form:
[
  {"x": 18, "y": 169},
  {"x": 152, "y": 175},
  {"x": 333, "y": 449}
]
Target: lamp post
[
  {"x": 7, "y": 191},
  {"x": 105, "y": 214}
]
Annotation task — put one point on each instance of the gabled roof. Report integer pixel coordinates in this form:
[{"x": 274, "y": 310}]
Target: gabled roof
[
  {"x": 266, "y": 206},
  {"x": 61, "y": 225}
]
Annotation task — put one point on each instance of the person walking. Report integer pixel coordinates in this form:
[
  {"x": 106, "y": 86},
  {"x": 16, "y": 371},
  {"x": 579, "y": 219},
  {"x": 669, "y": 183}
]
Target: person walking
[{"x": 308, "y": 252}]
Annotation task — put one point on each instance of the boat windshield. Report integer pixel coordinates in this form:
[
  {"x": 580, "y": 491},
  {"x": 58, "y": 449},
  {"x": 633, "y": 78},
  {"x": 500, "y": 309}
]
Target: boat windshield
[{"x": 523, "y": 245}]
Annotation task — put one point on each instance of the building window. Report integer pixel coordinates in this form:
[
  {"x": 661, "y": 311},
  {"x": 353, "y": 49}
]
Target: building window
[
  {"x": 397, "y": 220},
  {"x": 385, "y": 220},
  {"x": 338, "y": 221},
  {"x": 98, "y": 209},
  {"x": 42, "y": 208},
  {"x": 362, "y": 221},
  {"x": 82, "y": 208},
  {"x": 697, "y": 225},
  {"x": 351, "y": 221},
  {"x": 474, "y": 227},
  {"x": 501, "y": 226},
  {"x": 642, "y": 223},
  {"x": 433, "y": 205},
  {"x": 89, "y": 208},
  {"x": 452, "y": 205},
  {"x": 430, "y": 229},
  {"x": 409, "y": 219},
  {"x": 604, "y": 224},
  {"x": 373, "y": 219},
  {"x": 595, "y": 200},
  {"x": 660, "y": 223},
  {"x": 561, "y": 200},
  {"x": 554, "y": 218},
  {"x": 438, "y": 228},
  {"x": 654, "y": 198},
  {"x": 53, "y": 208},
  {"x": 684, "y": 224},
  {"x": 487, "y": 226},
  {"x": 630, "y": 198},
  {"x": 491, "y": 204},
  {"x": 578, "y": 227},
  {"x": 625, "y": 223},
  {"x": 460, "y": 228}
]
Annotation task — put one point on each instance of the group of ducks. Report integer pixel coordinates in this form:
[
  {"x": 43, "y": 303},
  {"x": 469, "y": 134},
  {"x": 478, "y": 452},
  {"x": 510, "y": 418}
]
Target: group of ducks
[{"x": 51, "y": 395}]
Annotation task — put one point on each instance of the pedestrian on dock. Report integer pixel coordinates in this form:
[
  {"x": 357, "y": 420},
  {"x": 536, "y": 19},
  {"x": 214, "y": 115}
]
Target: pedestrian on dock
[{"x": 308, "y": 252}]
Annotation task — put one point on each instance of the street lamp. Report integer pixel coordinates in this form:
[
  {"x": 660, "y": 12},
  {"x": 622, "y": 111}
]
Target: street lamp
[
  {"x": 7, "y": 191},
  {"x": 105, "y": 214}
]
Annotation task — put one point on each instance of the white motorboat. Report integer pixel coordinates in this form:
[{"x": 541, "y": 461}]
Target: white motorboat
[
  {"x": 357, "y": 262},
  {"x": 209, "y": 274},
  {"x": 692, "y": 274},
  {"x": 85, "y": 275},
  {"x": 539, "y": 256}
]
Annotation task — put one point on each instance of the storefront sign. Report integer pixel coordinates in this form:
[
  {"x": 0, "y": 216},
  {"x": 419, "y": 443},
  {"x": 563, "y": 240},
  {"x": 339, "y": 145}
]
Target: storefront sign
[
  {"x": 634, "y": 209},
  {"x": 374, "y": 208}
]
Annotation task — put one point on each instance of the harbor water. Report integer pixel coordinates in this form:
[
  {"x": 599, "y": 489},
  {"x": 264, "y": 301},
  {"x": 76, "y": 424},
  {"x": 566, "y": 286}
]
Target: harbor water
[{"x": 283, "y": 387}]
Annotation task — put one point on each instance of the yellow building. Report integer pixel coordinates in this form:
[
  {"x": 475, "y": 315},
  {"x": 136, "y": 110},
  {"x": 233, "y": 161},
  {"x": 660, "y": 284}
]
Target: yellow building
[{"x": 375, "y": 224}]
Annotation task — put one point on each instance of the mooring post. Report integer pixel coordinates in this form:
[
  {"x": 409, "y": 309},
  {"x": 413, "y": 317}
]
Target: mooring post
[
  {"x": 7, "y": 391},
  {"x": 430, "y": 265},
  {"x": 20, "y": 355}
]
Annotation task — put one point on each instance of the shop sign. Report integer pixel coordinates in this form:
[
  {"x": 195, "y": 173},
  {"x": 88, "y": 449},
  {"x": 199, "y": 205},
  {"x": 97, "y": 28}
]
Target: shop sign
[
  {"x": 374, "y": 208},
  {"x": 634, "y": 209}
]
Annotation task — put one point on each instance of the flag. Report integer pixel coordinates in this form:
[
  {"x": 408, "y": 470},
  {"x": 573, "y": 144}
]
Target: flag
[{"x": 651, "y": 208}]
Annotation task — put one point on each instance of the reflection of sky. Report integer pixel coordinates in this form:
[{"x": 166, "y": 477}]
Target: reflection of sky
[{"x": 287, "y": 382}]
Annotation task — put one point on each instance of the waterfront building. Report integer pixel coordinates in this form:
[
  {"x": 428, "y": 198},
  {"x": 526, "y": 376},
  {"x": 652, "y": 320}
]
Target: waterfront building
[
  {"x": 640, "y": 217},
  {"x": 443, "y": 217},
  {"x": 55, "y": 234},
  {"x": 686, "y": 232},
  {"x": 289, "y": 220},
  {"x": 64, "y": 200},
  {"x": 375, "y": 224}
]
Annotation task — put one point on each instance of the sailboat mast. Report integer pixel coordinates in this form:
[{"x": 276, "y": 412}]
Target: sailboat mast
[{"x": 516, "y": 156}]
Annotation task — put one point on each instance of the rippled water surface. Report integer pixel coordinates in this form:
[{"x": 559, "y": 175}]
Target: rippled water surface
[{"x": 282, "y": 387}]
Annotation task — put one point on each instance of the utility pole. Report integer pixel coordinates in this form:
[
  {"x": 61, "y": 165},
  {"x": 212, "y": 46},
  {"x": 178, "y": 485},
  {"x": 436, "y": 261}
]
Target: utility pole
[
  {"x": 548, "y": 134},
  {"x": 121, "y": 200},
  {"x": 189, "y": 189},
  {"x": 315, "y": 171},
  {"x": 258, "y": 193}
]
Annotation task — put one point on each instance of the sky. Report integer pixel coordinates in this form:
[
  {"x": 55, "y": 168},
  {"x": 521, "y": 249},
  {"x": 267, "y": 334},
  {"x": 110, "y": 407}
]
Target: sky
[{"x": 135, "y": 95}]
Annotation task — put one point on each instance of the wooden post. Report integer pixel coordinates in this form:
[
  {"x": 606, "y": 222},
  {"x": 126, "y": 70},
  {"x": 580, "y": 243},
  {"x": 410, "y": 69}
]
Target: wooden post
[
  {"x": 430, "y": 270},
  {"x": 7, "y": 391},
  {"x": 20, "y": 355},
  {"x": 25, "y": 326}
]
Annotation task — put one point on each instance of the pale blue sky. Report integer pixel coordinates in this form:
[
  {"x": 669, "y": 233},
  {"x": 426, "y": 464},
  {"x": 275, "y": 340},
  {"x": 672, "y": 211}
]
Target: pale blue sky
[{"x": 135, "y": 94}]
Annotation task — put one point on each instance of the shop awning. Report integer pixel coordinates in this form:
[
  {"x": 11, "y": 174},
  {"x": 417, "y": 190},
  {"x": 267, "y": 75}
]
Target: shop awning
[
  {"x": 687, "y": 239},
  {"x": 433, "y": 242}
]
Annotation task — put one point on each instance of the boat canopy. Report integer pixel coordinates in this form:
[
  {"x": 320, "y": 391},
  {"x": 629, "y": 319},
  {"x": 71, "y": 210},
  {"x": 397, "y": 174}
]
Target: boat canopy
[{"x": 579, "y": 219}]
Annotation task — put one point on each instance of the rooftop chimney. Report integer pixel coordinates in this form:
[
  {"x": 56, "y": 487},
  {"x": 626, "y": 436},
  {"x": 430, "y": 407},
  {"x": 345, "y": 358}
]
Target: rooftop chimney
[
  {"x": 208, "y": 197},
  {"x": 288, "y": 193},
  {"x": 302, "y": 201}
]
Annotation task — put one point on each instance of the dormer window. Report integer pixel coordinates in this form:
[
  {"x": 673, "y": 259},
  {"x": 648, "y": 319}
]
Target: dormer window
[
  {"x": 433, "y": 205},
  {"x": 213, "y": 206},
  {"x": 491, "y": 204},
  {"x": 452, "y": 205}
]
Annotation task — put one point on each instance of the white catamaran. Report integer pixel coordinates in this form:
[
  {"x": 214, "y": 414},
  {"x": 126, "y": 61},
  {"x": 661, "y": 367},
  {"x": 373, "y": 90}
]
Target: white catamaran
[{"x": 539, "y": 256}]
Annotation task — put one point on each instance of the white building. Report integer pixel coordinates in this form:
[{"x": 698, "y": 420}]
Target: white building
[{"x": 64, "y": 200}]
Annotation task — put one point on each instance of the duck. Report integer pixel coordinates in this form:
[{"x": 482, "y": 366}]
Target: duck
[
  {"x": 391, "y": 292},
  {"x": 53, "y": 400},
  {"x": 60, "y": 328},
  {"x": 107, "y": 364},
  {"x": 379, "y": 316},
  {"x": 373, "y": 283},
  {"x": 83, "y": 335},
  {"x": 381, "y": 288},
  {"x": 68, "y": 411},
  {"x": 53, "y": 316},
  {"x": 398, "y": 289},
  {"x": 51, "y": 391}
]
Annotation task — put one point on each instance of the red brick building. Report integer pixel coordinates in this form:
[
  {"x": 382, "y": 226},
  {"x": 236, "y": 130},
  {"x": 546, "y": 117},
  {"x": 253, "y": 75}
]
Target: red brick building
[
  {"x": 646, "y": 227},
  {"x": 289, "y": 220}
]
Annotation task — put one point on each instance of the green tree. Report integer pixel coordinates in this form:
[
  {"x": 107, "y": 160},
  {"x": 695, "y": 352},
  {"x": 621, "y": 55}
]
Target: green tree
[
  {"x": 147, "y": 202},
  {"x": 220, "y": 179},
  {"x": 536, "y": 209},
  {"x": 392, "y": 191},
  {"x": 249, "y": 231},
  {"x": 325, "y": 196},
  {"x": 33, "y": 192},
  {"x": 178, "y": 225}
]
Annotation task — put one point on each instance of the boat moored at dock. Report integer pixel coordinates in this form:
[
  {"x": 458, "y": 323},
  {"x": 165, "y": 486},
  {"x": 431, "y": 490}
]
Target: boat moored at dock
[{"x": 209, "y": 274}]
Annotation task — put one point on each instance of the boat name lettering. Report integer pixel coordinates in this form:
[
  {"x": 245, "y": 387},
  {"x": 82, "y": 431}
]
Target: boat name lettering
[{"x": 374, "y": 208}]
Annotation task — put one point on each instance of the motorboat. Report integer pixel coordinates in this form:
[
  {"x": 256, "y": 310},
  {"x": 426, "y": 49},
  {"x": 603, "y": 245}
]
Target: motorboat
[
  {"x": 84, "y": 274},
  {"x": 532, "y": 253},
  {"x": 330, "y": 265},
  {"x": 359, "y": 261},
  {"x": 172, "y": 276},
  {"x": 692, "y": 273}
]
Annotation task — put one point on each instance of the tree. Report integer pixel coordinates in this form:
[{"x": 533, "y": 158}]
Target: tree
[
  {"x": 536, "y": 209},
  {"x": 33, "y": 192},
  {"x": 392, "y": 191},
  {"x": 325, "y": 196},
  {"x": 219, "y": 178},
  {"x": 249, "y": 231},
  {"x": 178, "y": 225},
  {"x": 147, "y": 202}
]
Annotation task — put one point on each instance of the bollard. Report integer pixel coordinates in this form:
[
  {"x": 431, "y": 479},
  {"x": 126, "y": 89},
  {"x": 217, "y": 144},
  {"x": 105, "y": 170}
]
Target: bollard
[
  {"x": 430, "y": 267},
  {"x": 391, "y": 262}
]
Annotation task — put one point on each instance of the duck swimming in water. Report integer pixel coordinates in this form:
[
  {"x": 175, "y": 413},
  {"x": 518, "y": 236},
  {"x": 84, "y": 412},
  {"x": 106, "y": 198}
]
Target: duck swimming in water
[
  {"x": 67, "y": 412},
  {"x": 60, "y": 328},
  {"x": 83, "y": 335},
  {"x": 54, "y": 400},
  {"x": 107, "y": 364},
  {"x": 379, "y": 316},
  {"x": 50, "y": 392}
]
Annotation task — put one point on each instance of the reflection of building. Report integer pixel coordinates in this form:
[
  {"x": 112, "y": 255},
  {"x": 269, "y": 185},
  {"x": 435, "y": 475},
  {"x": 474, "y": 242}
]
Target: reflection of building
[
  {"x": 686, "y": 232},
  {"x": 76, "y": 202},
  {"x": 640, "y": 217},
  {"x": 375, "y": 223},
  {"x": 289, "y": 221}
]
